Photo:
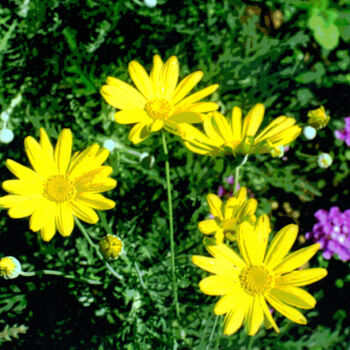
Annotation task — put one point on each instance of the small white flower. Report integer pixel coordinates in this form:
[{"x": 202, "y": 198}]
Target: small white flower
[
  {"x": 5, "y": 116},
  {"x": 150, "y": 3},
  {"x": 110, "y": 145},
  {"x": 6, "y": 135},
  {"x": 309, "y": 132},
  {"x": 324, "y": 160}
]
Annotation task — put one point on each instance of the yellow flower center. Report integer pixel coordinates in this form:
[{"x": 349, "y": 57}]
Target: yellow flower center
[
  {"x": 256, "y": 280},
  {"x": 58, "y": 188},
  {"x": 158, "y": 109}
]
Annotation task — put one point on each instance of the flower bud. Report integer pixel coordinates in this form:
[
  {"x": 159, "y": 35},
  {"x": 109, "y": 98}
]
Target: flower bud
[
  {"x": 111, "y": 247},
  {"x": 277, "y": 152},
  {"x": 6, "y": 135},
  {"x": 5, "y": 116},
  {"x": 309, "y": 132},
  {"x": 150, "y": 3},
  {"x": 10, "y": 267},
  {"x": 324, "y": 160},
  {"x": 109, "y": 144},
  {"x": 318, "y": 118}
]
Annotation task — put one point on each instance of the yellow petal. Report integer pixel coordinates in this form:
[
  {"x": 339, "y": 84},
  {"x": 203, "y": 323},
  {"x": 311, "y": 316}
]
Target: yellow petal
[
  {"x": 268, "y": 319},
  {"x": 294, "y": 296},
  {"x": 37, "y": 157},
  {"x": 96, "y": 201},
  {"x": 246, "y": 240},
  {"x": 121, "y": 95},
  {"x": 82, "y": 161},
  {"x": 222, "y": 251},
  {"x": 186, "y": 117},
  {"x": 21, "y": 171},
  {"x": 46, "y": 145},
  {"x": 226, "y": 304},
  {"x": 64, "y": 220},
  {"x": 185, "y": 86},
  {"x": 236, "y": 124},
  {"x": 197, "y": 148},
  {"x": 254, "y": 317},
  {"x": 23, "y": 187},
  {"x": 302, "y": 277},
  {"x": 24, "y": 208},
  {"x": 132, "y": 116},
  {"x": 222, "y": 127},
  {"x": 248, "y": 209},
  {"x": 197, "y": 96},
  {"x": 287, "y": 311},
  {"x": 208, "y": 227},
  {"x": 141, "y": 79},
  {"x": 40, "y": 215},
  {"x": 63, "y": 150},
  {"x": 211, "y": 130},
  {"x": 231, "y": 207},
  {"x": 169, "y": 77},
  {"x": 285, "y": 136},
  {"x": 281, "y": 245},
  {"x": 217, "y": 285},
  {"x": 155, "y": 125},
  {"x": 11, "y": 200},
  {"x": 49, "y": 228},
  {"x": 215, "y": 265},
  {"x": 296, "y": 259},
  {"x": 216, "y": 206},
  {"x": 139, "y": 133},
  {"x": 155, "y": 76},
  {"x": 241, "y": 195},
  {"x": 253, "y": 120},
  {"x": 233, "y": 320},
  {"x": 83, "y": 212},
  {"x": 262, "y": 236},
  {"x": 202, "y": 107}
]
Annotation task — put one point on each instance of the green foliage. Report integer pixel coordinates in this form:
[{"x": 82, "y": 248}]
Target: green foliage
[{"x": 54, "y": 58}]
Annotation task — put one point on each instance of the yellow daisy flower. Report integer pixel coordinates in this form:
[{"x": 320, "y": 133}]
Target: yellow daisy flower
[
  {"x": 59, "y": 187},
  {"x": 227, "y": 216},
  {"x": 158, "y": 99},
  {"x": 10, "y": 267},
  {"x": 318, "y": 118},
  {"x": 223, "y": 136},
  {"x": 247, "y": 281}
]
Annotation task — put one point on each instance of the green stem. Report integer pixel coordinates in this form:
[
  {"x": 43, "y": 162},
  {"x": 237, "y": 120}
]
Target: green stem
[
  {"x": 251, "y": 341},
  {"x": 95, "y": 247},
  {"x": 171, "y": 226},
  {"x": 212, "y": 332},
  {"x": 59, "y": 273},
  {"x": 236, "y": 183}
]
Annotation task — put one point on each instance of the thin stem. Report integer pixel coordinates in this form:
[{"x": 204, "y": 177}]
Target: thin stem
[
  {"x": 250, "y": 344},
  {"x": 236, "y": 183},
  {"x": 212, "y": 332},
  {"x": 171, "y": 226},
  {"x": 59, "y": 273},
  {"x": 95, "y": 247}
]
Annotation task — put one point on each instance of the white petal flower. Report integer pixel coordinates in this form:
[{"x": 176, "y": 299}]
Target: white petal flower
[
  {"x": 6, "y": 135},
  {"x": 324, "y": 160}
]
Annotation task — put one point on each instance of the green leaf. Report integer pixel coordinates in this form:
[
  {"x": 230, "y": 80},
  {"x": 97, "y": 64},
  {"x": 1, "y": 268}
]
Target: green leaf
[{"x": 327, "y": 36}]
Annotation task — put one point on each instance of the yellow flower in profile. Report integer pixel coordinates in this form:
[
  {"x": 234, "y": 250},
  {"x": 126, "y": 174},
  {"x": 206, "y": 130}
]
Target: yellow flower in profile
[
  {"x": 158, "y": 99},
  {"x": 223, "y": 136},
  {"x": 318, "y": 118},
  {"x": 10, "y": 267},
  {"x": 227, "y": 216},
  {"x": 111, "y": 247},
  {"x": 59, "y": 187},
  {"x": 253, "y": 278}
]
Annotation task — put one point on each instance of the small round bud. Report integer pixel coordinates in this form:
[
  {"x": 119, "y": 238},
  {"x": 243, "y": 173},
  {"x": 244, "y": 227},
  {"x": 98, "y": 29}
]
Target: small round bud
[
  {"x": 146, "y": 160},
  {"x": 324, "y": 160},
  {"x": 6, "y": 135},
  {"x": 150, "y": 3},
  {"x": 111, "y": 247},
  {"x": 5, "y": 116},
  {"x": 10, "y": 267},
  {"x": 277, "y": 152},
  {"x": 110, "y": 145},
  {"x": 309, "y": 132}
]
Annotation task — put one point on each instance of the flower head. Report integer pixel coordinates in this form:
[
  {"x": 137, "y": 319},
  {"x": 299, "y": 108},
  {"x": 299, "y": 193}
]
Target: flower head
[
  {"x": 233, "y": 136},
  {"x": 226, "y": 217},
  {"x": 324, "y": 160},
  {"x": 158, "y": 100},
  {"x": 111, "y": 247},
  {"x": 318, "y": 118},
  {"x": 332, "y": 232},
  {"x": 309, "y": 132},
  {"x": 247, "y": 281},
  {"x": 10, "y": 267},
  {"x": 344, "y": 134},
  {"x": 59, "y": 187}
]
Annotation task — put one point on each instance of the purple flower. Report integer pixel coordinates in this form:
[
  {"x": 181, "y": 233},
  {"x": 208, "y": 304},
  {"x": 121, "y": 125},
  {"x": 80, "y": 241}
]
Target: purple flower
[
  {"x": 344, "y": 134},
  {"x": 332, "y": 232}
]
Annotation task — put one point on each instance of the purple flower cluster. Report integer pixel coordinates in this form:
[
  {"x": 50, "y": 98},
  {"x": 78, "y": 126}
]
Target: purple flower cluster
[
  {"x": 345, "y": 133},
  {"x": 332, "y": 231},
  {"x": 222, "y": 191}
]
